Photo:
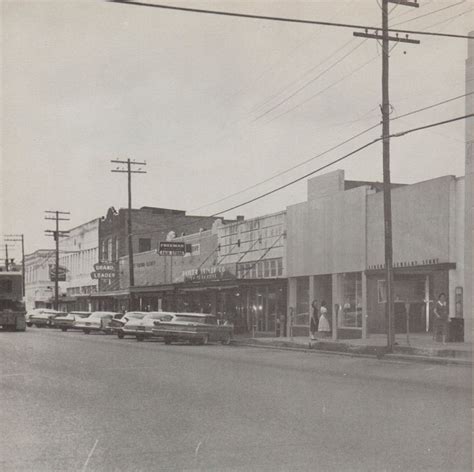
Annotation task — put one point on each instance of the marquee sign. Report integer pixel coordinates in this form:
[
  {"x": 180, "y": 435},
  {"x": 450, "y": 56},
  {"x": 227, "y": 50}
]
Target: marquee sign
[{"x": 61, "y": 275}]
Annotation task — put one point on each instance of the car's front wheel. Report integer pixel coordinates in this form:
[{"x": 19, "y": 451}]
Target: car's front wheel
[
  {"x": 29, "y": 325},
  {"x": 167, "y": 340},
  {"x": 226, "y": 339},
  {"x": 205, "y": 339},
  {"x": 63, "y": 329},
  {"x": 87, "y": 331},
  {"x": 140, "y": 337},
  {"x": 120, "y": 335}
]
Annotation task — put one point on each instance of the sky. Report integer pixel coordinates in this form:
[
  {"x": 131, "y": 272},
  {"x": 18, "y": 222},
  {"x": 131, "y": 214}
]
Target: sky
[{"x": 212, "y": 104}]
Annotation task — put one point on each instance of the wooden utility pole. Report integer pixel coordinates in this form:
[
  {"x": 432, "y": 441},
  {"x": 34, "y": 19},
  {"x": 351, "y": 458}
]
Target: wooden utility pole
[
  {"x": 6, "y": 257},
  {"x": 19, "y": 238},
  {"x": 387, "y": 197},
  {"x": 56, "y": 233},
  {"x": 129, "y": 172}
]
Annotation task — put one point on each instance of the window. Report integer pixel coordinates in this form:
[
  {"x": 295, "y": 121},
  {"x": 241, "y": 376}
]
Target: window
[
  {"x": 266, "y": 269},
  {"x": 196, "y": 249},
  {"x": 6, "y": 286},
  {"x": 144, "y": 244},
  {"x": 280, "y": 266},
  {"x": 381, "y": 291},
  {"x": 104, "y": 256},
  {"x": 109, "y": 251},
  {"x": 273, "y": 268},
  {"x": 302, "y": 302},
  {"x": 351, "y": 307}
]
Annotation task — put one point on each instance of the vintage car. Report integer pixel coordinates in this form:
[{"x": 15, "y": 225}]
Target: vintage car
[
  {"x": 43, "y": 317},
  {"x": 117, "y": 324},
  {"x": 143, "y": 328},
  {"x": 197, "y": 328},
  {"x": 67, "y": 322},
  {"x": 98, "y": 321}
]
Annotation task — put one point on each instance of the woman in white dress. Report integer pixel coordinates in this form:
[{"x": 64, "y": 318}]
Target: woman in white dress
[{"x": 323, "y": 326}]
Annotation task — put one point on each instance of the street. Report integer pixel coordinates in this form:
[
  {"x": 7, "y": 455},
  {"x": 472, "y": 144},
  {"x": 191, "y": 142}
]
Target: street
[{"x": 76, "y": 402}]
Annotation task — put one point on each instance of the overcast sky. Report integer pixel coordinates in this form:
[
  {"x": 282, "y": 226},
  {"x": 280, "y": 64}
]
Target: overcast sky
[{"x": 85, "y": 82}]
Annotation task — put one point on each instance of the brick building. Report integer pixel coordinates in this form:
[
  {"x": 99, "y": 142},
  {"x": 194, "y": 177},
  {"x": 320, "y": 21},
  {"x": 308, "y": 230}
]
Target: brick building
[{"x": 150, "y": 225}]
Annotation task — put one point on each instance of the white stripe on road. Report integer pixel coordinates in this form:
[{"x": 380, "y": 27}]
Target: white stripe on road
[{"x": 84, "y": 467}]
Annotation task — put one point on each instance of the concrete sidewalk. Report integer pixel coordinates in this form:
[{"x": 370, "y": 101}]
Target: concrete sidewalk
[{"x": 421, "y": 347}]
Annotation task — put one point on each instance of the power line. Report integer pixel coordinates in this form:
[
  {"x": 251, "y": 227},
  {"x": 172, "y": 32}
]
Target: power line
[
  {"x": 307, "y": 84},
  {"x": 355, "y": 151},
  {"x": 330, "y": 56},
  {"x": 323, "y": 90},
  {"x": 282, "y": 19},
  {"x": 419, "y": 110},
  {"x": 448, "y": 20},
  {"x": 429, "y": 13}
]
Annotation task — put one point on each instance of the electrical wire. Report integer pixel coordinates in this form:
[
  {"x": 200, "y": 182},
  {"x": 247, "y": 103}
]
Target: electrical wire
[
  {"x": 307, "y": 84},
  {"x": 281, "y": 19},
  {"x": 284, "y": 89},
  {"x": 345, "y": 156},
  {"x": 323, "y": 153},
  {"x": 429, "y": 13},
  {"x": 311, "y": 97}
]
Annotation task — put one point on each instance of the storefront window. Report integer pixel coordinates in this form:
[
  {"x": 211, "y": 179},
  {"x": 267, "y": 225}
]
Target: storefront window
[
  {"x": 351, "y": 309},
  {"x": 302, "y": 301}
]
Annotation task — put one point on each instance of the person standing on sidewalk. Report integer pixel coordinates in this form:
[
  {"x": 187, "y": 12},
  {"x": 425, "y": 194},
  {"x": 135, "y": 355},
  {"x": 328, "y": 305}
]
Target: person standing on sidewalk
[
  {"x": 313, "y": 322},
  {"x": 323, "y": 326},
  {"x": 441, "y": 320}
]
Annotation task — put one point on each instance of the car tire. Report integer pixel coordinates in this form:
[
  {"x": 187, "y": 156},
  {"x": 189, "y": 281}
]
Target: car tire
[
  {"x": 29, "y": 325},
  {"x": 204, "y": 340},
  {"x": 226, "y": 341},
  {"x": 64, "y": 329},
  {"x": 86, "y": 331},
  {"x": 140, "y": 337},
  {"x": 120, "y": 335},
  {"x": 167, "y": 340}
]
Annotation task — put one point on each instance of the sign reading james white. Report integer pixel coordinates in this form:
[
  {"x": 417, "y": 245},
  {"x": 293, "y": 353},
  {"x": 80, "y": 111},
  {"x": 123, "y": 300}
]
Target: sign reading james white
[{"x": 172, "y": 248}]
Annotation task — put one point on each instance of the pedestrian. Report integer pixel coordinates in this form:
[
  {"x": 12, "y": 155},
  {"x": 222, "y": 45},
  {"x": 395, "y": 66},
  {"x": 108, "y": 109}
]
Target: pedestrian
[
  {"x": 441, "y": 313},
  {"x": 323, "y": 326},
  {"x": 313, "y": 322}
]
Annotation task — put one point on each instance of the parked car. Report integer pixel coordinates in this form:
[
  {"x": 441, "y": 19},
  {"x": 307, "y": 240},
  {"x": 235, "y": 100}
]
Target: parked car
[
  {"x": 43, "y": 317},
  {"x": 143, "y": 328},
  {"x": 98, "y": 321},
  {"x": 197, "y": 328},
  {"x": 117, "y": 324},
  {"x": 67, "y": 322}
]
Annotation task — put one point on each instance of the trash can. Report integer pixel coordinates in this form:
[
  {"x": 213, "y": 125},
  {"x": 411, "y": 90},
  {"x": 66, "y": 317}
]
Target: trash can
[{"x": 456, "y": 330}]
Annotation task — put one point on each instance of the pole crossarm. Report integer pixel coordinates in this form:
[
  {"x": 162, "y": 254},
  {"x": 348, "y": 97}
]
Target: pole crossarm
[
  {"x": 389, "y": 38},
  {"x": 131, "y": 172},
  {"x": 405, "y": 3}
]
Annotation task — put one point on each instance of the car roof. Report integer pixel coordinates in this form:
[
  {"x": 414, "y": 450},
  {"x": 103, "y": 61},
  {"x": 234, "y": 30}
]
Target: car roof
[
  {"x": 81, "y": 312},
  {"x": 106, "y": 313}
]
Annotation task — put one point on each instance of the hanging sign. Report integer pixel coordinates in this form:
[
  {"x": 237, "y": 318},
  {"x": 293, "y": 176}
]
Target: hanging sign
[{"x": 172, "y": 248}]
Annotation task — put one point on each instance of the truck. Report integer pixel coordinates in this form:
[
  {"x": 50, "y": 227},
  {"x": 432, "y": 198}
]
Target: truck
[{"x": 12, "y": 307}]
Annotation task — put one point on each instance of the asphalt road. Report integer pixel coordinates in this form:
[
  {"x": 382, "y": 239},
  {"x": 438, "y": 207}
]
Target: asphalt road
[{"x": 74, "y": 402}]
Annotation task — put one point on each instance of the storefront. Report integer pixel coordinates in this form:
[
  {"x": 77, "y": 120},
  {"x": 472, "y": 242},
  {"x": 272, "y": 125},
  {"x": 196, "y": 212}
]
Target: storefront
[{"x": 415, "y": 289}]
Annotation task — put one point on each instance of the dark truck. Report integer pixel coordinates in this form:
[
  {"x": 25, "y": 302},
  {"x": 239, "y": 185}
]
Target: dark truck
[{"x": 12, "y": 308}]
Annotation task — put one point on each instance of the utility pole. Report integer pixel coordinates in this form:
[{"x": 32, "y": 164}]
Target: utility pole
[
  {"x": 129, "y": 163},
  {"x": 56, "y": 233},
  {"x": 6, "y": 257},
  {"x": 387, "y": 196},
  {"x": 19, "y": 238}
]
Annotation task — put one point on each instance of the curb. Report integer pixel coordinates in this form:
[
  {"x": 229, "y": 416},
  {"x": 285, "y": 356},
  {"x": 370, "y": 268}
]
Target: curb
[{"x": 381, "y": 356}]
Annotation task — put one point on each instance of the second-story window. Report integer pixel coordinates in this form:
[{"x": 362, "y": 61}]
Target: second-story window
[{"x": 144, "y": 244}]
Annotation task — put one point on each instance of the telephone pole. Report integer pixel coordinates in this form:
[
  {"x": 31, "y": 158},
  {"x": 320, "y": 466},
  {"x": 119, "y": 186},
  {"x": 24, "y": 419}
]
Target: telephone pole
[
  {"x": 6, "y": 257},
  {"x": 56, "y": 233},
  {"x": 19, "y": 238},
  {"x": 129, "y": 163},
  {"x": 387, "y": 196}
]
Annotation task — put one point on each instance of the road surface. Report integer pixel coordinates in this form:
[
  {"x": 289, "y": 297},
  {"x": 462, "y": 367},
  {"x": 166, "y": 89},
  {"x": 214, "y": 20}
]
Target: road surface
[{"x": 69, "y": 401}]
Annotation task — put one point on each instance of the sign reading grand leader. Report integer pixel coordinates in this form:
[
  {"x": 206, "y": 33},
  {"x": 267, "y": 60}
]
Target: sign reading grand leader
[
  {"x": 172, "y": 248},
  {"x": 104, "y": 270}
]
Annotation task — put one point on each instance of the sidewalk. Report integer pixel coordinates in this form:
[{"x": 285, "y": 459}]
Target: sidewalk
[{"x": 422, "y": 347}]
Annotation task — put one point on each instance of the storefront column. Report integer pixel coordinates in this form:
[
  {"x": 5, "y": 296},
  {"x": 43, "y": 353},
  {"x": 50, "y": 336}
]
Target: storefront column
[
  {"x": 364, "y": 306},
  {"x": 311, "y": 295},
  {"x": 337, "y": 300},
  {"x": 214, "y": 302},
  {"x": 291, "y": 304},
  {"x": 427, "y": 302}
]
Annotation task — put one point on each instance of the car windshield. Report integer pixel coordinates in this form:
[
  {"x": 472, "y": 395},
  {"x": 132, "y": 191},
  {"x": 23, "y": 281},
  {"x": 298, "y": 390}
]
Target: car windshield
[
  {"x": 159, "y": 316},
  {"x": 99, "y": 314},
  {"x": 136, "y": 316},
  {"x": 80, "y": 315},
  {"x": 191, "y": 319}
]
